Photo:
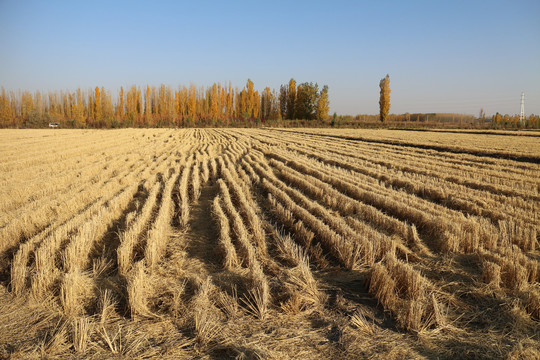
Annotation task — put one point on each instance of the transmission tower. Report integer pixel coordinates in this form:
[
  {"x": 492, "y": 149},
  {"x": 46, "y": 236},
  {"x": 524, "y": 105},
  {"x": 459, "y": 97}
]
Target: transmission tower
[{"x": 522, "y": 111}]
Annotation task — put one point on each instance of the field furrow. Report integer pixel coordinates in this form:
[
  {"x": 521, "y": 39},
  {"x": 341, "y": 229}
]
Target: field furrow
[{"x": 199, "y": 239}]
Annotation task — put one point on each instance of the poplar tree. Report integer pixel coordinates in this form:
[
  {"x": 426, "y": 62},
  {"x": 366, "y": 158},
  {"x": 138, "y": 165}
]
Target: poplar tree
[
  {"x": 283, "y": 97},
  {"x": 6, "y": 115},
  {"x": 222, "y": 101},
  {"x": 106, "y": 106},
  {"x": 242, "y": 104},
  {"x": 192, "y": 102},
  {"x": 229, "y": 106},
  {"x": 131, "y": 103},
  {"x": 38, "y": 103},
  {"x": 68, "y": 105},
  {"x": 182, "y": 105},
  {"x": 214, "y": 102},
  {"x": 148, "y": 106},
  {"x": 266, "y": 103},
  {"x": 384, "y": 101},
  {"x": 27, "y": 105},
  {"x": 90, "y": 106},
  {"x": 172, "y": 114},
  {"x": 120, "y": 108},
  {"x": 79, "y": 109},
  {"x": 97, "y": 104},
  {"x": 256, "y": 105},
  {"x": 275, "y": 113},
  {"x": 250, "y": 99},
  {"x": 323, "y": 104},
  {"x": 291, "y": 99}
]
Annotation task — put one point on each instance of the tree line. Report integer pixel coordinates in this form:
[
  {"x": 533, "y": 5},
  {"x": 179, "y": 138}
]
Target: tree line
[{"x": 215, "y": 105}]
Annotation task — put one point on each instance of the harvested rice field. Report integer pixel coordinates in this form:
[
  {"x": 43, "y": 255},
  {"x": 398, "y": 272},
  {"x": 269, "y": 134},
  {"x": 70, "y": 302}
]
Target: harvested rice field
[{"x": 269, "y": 244}]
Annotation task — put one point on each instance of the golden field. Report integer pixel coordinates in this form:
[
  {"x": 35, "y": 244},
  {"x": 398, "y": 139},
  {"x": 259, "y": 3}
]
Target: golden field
[{"x": 269, "y": 244}]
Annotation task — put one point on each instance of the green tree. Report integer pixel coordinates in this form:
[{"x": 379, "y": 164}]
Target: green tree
[
  {"x": 334, "y": 119},
  {"x": 306, "y": 101}
]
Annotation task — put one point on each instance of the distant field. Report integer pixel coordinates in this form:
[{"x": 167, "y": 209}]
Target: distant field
[
  {"x": 504, "y": 144},
  {"x": 269, "y": 244}
]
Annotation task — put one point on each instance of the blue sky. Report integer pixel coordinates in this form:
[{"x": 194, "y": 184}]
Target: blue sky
[{"x": 442, "y": 56}]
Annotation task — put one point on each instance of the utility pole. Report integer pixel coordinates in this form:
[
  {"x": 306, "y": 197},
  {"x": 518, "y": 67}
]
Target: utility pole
[{"x": 522, "y": 111}]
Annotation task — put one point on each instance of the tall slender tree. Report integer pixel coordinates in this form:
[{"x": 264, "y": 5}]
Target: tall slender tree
[
  {"x": 148, "y": 106},
  {"x": 27, "y": 105},
  {"x": 97, "y": 105},
  {"x": 323, "y": 104},
  {"x": 192, "y": 103},
  {"x": 107, "y": 106},
  {"x": 283, "y": 96},
  {"x": 214, "y": 102},
  {"x": 250, "y": 99},
  {"x": 120, "y": 108},
  {"x": 266, "y": 103},
  {"x": 6, "y": 115},
  {"x": 256, "y": 99},
  {"x": 78, "y": 111},
  {"x": 384, "y": 100},
  {"x": 291, "y": 100}
]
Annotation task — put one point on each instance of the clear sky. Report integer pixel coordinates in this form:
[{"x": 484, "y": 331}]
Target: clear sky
[{"x": 442, "y": 56}]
